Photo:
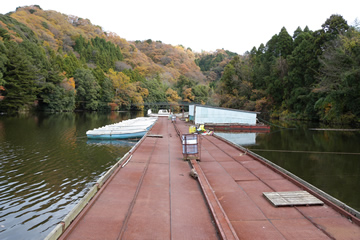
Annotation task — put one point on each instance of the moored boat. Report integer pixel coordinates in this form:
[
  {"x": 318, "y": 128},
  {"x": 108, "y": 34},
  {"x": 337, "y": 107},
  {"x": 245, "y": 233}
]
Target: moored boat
[{"x": 133, "y": 128}]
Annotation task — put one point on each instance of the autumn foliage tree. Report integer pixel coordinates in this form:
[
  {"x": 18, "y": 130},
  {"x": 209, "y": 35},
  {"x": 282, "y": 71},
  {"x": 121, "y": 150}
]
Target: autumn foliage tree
[
  {"x": 173, "y": 98},
  {"x": 55, "y": 62},
  {"x": 127, "y": 93}
]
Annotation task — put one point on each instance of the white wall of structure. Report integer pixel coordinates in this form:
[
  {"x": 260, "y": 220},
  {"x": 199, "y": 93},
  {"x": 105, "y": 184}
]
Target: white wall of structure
[
  {"x": 191, "y": 110},
  {"x": 205, "y": 114}
]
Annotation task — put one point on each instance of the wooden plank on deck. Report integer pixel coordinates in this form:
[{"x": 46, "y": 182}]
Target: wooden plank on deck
[
  {"x": 294, "y": 198},
  {"x": 155, "y": 135}
]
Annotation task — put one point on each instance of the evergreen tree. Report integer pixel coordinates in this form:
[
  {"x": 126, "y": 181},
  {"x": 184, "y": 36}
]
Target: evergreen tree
[
  {"x": 20, "y": 75},
  {"x": 54, "y": 98},
  {"x": 3, "y": 61},
  {"x": 260, "y": 68},
  {"x": 284, "y": 43},
  {"x": 98, "y": 51},
  {"x": 303, "y": 65},
  {"x": 70, "y": 64},
  {"x": 297, "y": 32},
  {"x": 107, "y": 95},
  {"x": 334, "y": 26},
  {"x": 87, "y": 90},
  {"x": 37, "y": 56}
]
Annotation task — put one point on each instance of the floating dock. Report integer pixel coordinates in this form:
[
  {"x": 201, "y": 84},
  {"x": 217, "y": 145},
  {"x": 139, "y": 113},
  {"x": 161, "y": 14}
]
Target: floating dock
[
  {"x": 230, "y": 127},
  {"x": 150, "y": 194}
]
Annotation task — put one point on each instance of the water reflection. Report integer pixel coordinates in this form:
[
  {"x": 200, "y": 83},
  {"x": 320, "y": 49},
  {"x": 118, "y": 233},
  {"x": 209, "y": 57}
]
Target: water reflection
[
  {"x": 47, "y": 166},
  {"x": 128, "y": 143},
  {"x": 242, "y": 139}
]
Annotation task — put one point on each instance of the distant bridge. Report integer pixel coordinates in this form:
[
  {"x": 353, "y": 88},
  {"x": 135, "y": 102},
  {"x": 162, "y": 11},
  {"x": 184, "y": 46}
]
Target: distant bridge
[{"x": 163, "y": 104}]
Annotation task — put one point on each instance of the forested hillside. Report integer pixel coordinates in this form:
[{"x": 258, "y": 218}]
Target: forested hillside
[
  {"x": 313, "y": 75},
  {"x": 54, "y": 62}
]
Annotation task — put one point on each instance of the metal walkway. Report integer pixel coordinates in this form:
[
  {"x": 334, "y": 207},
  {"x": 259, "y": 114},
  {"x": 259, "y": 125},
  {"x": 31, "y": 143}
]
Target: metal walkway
[{"x": 153, "y": 197}]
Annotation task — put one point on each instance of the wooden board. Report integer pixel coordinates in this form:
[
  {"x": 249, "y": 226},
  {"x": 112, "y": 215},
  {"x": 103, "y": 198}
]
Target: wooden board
[
  {"x": 154, "y": 135},
  {"x": 292, "y": 198}
]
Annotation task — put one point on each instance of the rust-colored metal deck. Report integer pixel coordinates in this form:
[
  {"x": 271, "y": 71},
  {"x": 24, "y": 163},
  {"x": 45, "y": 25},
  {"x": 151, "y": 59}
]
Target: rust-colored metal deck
[{"x": 153, "y": 197}]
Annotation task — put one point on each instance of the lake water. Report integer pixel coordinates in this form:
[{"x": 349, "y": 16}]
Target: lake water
[
  {"x": 329, "y": 160},
  {"x": 47, "y": 164}
]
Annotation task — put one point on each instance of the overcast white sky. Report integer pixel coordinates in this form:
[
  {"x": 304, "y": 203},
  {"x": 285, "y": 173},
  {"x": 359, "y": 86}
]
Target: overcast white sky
[{"x": 208, "y": 25}]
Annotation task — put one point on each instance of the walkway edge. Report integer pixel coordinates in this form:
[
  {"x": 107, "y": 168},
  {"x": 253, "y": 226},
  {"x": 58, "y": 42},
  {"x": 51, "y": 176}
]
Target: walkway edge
[
  {"x": 352, "y": 214},
  {"x": 67, "y": 220}
]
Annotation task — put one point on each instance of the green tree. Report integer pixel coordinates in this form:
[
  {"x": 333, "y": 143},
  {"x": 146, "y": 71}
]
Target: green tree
[
  {"x": 87, "y": 90},
  {"x": 235, "y": 85},
  {"x": 20, "y": 75},
  {"x": 98, "y": 51},
  {"x": 3, "y": 61},
  {"x": 134, "y": 75},
  {"x": 334, "y": 26},
  {"x": 201, "y": 93},
  {"x": 339, "y": 79},
  {"x": 303, "y": 65},
  {"x": 297, "y": 32},
  {"x": 156, "y": 90},
  {"x": 260, "y": 67},
  {"x": 183, "y": 83},
  {"x": 106, "y": 95},
  {"x": 69, "y": 63},
  {"x": 284, "y": 43},
  {"x": 54, "y": 98}
]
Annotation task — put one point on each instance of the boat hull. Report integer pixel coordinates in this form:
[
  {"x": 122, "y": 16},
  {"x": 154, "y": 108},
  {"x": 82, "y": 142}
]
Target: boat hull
[
  {"x": 128, "y": 129},
  {"x": 115, "y": 142},
  {"x": 117, "y": 136}
]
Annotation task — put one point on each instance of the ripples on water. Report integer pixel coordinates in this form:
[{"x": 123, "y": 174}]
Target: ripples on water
[{"x": 47, "y": 165}]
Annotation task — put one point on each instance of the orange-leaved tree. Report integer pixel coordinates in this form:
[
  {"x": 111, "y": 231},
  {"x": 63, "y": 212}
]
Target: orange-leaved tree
[
  {"x": 127, "y": 94},
  {"x": 173, "y": 98}
]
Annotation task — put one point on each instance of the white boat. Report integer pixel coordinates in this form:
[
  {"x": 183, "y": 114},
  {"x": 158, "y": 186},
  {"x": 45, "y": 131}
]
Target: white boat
[{"x": 133, "y": 128}]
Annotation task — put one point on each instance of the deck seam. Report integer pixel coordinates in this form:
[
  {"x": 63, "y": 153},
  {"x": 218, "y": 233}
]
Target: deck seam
[
  {"x": 133, "y": 201},
  {"x": 170, "y": 206},
  {"x": 315, "y": 224},
  {"x": 259, "y": 179},
  {"x": 226, "y": 230}
]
